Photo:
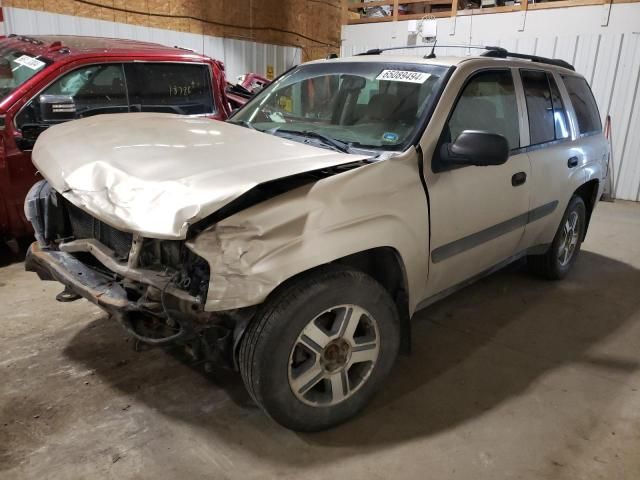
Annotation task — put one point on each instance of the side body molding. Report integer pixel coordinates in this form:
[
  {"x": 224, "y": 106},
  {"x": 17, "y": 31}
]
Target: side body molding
[{"x": 377, "y": 205}]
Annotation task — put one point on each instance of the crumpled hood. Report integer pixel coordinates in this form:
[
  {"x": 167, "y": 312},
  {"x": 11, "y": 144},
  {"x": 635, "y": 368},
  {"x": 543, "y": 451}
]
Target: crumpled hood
[{"x": 155, "y": 174}]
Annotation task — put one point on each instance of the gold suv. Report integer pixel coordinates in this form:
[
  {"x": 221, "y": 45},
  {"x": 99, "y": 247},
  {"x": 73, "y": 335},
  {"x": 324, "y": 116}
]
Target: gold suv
[{"x": 295, "y": 242}]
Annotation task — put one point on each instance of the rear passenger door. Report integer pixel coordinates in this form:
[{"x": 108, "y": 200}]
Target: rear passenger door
[
  {"x": 182, "y": 88},
  {"x": 555, "y": 151}
]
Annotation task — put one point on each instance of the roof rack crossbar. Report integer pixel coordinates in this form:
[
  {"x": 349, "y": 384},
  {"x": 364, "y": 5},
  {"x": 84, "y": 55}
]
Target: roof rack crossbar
[{"x": 495, "y": 52}]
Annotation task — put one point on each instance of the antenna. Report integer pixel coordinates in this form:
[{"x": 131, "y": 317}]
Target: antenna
[{"x": 433, "y": 51}]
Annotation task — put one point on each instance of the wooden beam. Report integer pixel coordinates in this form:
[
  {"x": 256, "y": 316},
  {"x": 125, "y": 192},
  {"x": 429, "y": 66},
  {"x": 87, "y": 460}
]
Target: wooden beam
[
  {"x": 356, "y": 21},
  {"x": 429, "y": 2},
  {"x": 524, "y": 6},
  {"x": 484, "y": 11},
  {"x": 418, "y": 16},
  {"x": 355, "y": 6},
  {"x": 381, "y": 3},
  {"x": 395, "y": 10},
  {"x": 564, "y": 4}
]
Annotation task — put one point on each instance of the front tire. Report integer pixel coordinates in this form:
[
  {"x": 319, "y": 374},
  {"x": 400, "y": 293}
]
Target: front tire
[
  {"x": 562, "y": 254},
  {"x": 320, "y": 348}
]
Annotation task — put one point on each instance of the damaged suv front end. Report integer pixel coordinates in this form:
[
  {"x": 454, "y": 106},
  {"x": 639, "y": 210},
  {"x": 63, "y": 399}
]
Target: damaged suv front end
[
  {"x": 128, "y": 234},
  {"x": 195, "y": 232}
]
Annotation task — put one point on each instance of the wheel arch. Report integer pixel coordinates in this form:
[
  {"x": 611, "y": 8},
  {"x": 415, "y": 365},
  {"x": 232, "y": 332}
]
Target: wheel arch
[
  {"x": 588, "y": 192},
  {"x": 383, "y": 264}
]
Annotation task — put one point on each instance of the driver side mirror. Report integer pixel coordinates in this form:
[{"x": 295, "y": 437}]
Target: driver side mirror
[
  {"x": 473, "y": 147},
  {"x": 57, "y": 108}
]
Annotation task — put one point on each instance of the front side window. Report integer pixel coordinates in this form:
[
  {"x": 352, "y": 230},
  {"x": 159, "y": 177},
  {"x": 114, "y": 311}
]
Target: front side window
[
  {"x": 584, "y": 104},
  {"x": 364, "y": 104},
  {"x": 487, "y": 103},
  {"x": 170, "y": 88},
  {"x": 84, "y": 92}
]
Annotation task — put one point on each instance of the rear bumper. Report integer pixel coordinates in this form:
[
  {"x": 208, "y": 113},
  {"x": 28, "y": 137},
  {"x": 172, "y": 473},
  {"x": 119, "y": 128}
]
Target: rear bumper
[{"x": 96, "y": 287}]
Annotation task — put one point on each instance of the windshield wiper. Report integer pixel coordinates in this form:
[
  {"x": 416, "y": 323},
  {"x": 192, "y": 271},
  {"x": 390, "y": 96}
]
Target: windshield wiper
[{"x": 337, "y": 144}]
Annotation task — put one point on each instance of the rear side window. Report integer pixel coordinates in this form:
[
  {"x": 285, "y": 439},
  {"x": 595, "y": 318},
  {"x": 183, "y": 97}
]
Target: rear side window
[
  {"x": 560, "y": 119},
  {"x": 584, "y": 104},
  {"x": 539, "y": 106},
  {"x": 170, "y": 88},
  {"x": 546, "y": 112},
  {"x": 487, "y": 103}
]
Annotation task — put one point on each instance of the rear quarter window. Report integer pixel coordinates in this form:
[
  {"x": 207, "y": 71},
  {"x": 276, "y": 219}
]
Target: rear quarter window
[
  {"x": 584, "y": 104},
  {"x": 546, "y": 112},
  {"x": 539, "y": 106}
]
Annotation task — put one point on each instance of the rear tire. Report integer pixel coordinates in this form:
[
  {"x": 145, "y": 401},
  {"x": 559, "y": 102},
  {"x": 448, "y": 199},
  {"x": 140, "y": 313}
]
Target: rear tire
[
  {"x": 556, "y": 263},
  {"x": 320, "y": 348}
]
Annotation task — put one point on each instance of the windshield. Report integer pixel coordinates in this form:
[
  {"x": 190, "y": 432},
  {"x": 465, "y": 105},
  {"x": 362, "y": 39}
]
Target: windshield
[
  {"x": 364, "y": 104},
  {"x": 17, "y": 67}
]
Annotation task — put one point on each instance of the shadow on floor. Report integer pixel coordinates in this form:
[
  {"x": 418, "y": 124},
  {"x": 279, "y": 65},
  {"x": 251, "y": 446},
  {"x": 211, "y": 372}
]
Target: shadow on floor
[
  {"x": 472, "y": 352},
  {"x": 8, "y": 256}
]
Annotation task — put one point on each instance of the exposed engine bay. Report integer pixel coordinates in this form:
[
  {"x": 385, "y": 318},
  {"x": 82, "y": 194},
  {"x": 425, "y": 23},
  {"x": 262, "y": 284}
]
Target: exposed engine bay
[{"x": 155, "y": 288}]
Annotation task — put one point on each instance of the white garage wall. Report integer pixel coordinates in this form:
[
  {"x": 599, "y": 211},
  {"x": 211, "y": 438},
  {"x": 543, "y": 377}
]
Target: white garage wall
[
  {"x": 608, "y": 56},
  {"x": 239, "y": 56}
]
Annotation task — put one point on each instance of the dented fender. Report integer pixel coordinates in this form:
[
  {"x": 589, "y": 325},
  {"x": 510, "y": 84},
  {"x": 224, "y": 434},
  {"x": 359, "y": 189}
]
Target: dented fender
[{"x": 381, "y": 204}]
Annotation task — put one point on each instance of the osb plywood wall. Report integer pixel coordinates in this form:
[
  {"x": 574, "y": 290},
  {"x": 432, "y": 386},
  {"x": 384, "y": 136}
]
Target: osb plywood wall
[{"x": 313, "y": 25}]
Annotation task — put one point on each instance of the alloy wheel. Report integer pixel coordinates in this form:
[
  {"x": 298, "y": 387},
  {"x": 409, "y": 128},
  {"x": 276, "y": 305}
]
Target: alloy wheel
[
  {"x": 334, "y": 355},
  {"x": 569, "y": 238}
]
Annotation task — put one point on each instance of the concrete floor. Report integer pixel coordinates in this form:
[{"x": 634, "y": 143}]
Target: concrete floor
[{"x": 513, "y": 377}]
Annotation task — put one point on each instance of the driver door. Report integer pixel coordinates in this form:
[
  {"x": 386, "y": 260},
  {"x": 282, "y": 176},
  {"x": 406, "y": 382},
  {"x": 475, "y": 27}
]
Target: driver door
[{"x": 478, "y": 213}]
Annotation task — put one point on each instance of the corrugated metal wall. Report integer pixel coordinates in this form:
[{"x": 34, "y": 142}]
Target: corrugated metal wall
[
  {"x": 239, "y": 56},
  {"x": 608, "y": 55}
]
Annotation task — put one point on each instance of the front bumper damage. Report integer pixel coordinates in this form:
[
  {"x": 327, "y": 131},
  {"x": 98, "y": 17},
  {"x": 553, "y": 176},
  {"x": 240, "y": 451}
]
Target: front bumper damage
[
  {"x": 103, "y": 289},
  {"x": 63, "y": 267},
  {"x": 207, "y": 338}
]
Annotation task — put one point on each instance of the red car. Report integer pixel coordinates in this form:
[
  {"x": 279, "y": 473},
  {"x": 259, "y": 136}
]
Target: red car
[
  {"x": 248, "y": 85},
  {"x": 48, "y": 80}
]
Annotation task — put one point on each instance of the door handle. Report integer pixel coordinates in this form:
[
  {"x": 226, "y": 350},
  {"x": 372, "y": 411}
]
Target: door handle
[
  {"x": 518, "y": 179},
  {"x": 572, "y": 162}
]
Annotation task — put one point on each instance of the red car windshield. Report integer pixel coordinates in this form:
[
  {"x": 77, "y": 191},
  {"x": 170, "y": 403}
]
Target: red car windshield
[{"x": 16, "y": 67}]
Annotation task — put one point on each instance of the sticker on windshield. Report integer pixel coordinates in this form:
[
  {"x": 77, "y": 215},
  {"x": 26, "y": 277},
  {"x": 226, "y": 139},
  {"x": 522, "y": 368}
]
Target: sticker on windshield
[
  {"x": 29, "y": 62},
  {"x": 390, "y": 137},
  {"x": 403, "y": 76}
]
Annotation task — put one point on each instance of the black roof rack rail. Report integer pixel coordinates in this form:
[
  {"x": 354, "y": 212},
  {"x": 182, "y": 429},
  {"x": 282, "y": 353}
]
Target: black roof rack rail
[
  {"x": 494, "y": 52},
  {"x": 378, "y": 51},
  {"x": 499, "y": 52}
]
